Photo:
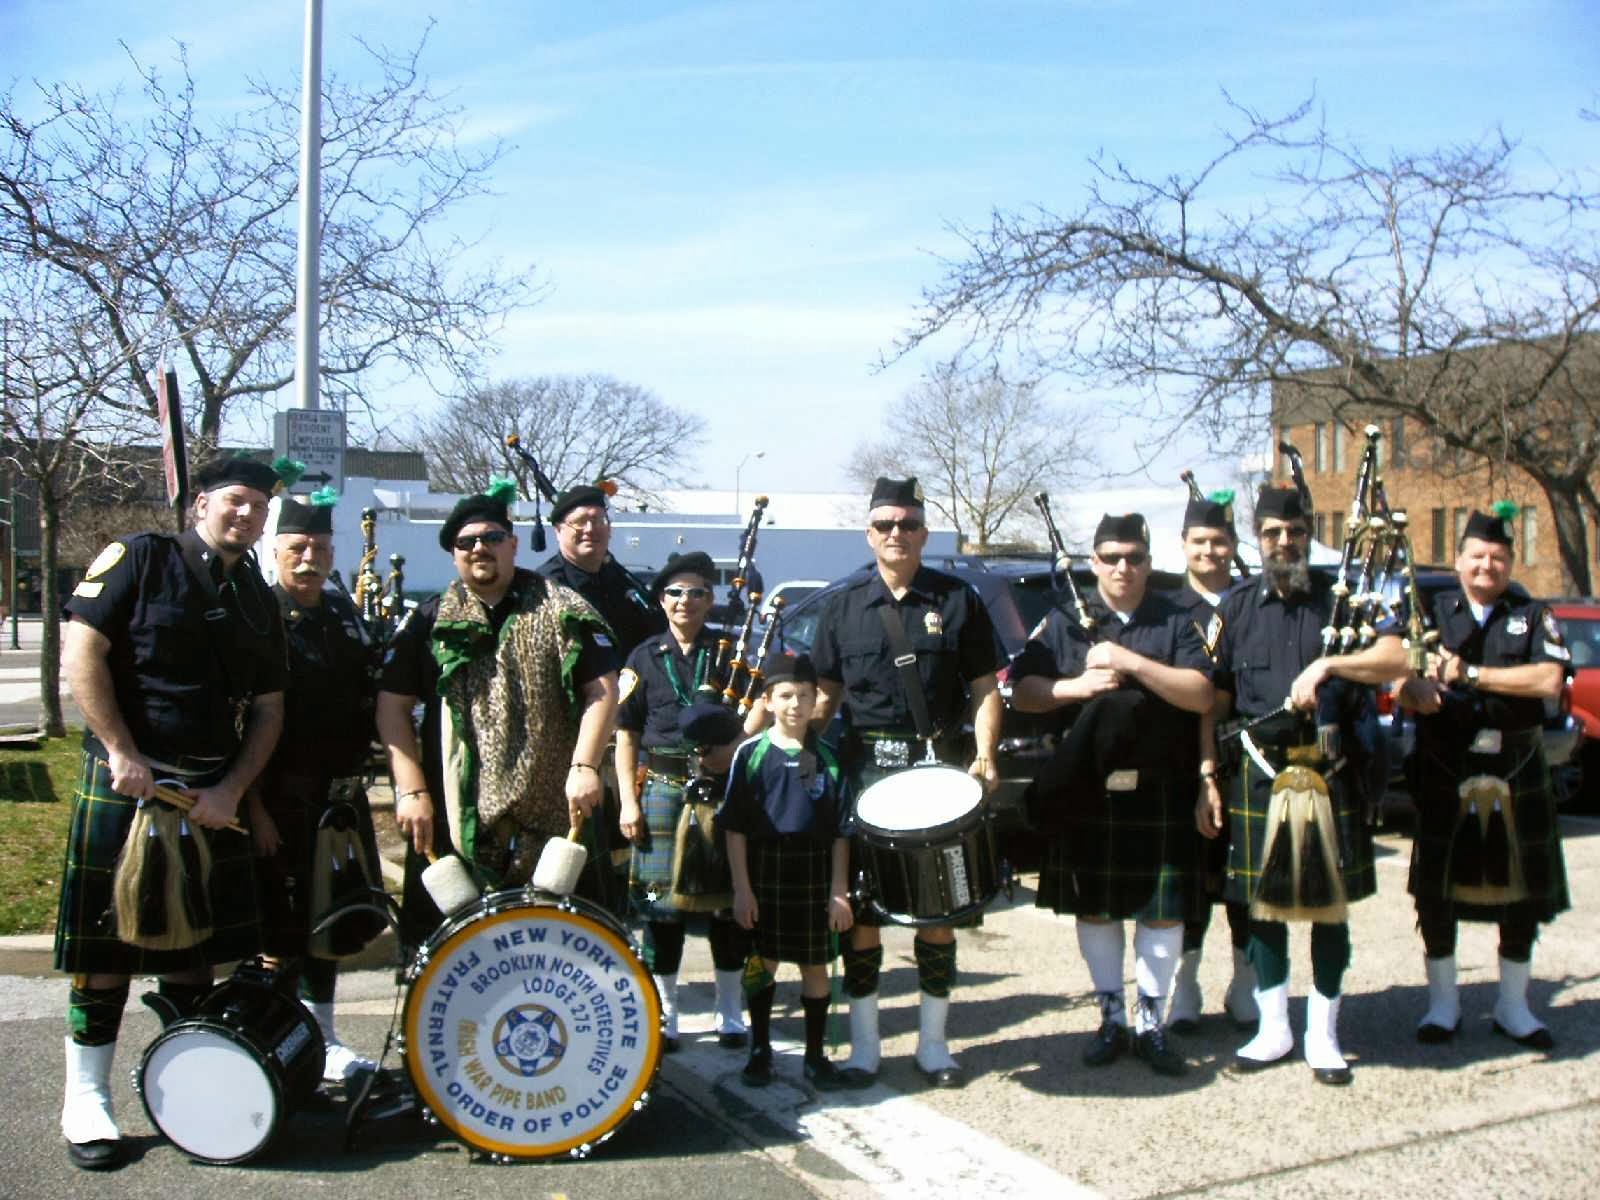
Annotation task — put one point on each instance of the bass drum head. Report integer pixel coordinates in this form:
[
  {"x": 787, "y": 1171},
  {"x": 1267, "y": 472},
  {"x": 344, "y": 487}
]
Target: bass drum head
[
  {"x": 919, "y": 798},
  {"x": 208, "y": 1093},
  {"x": 532, "y": 1029}
]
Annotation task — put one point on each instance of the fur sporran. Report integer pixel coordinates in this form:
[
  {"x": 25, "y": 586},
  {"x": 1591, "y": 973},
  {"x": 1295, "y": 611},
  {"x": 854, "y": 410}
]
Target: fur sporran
[
  {"x": 702, "y": 880},
  {"x": 1300, "y": 875},
  {"x": 1485, "y": 867},
  {"x": 160, "y": 895},
  {"x": 342, "y": 875}
]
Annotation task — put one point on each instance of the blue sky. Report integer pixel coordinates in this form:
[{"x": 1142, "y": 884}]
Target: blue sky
[{"x": 737, "y": 204}]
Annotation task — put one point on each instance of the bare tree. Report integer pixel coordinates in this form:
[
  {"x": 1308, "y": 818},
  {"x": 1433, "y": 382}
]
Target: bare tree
[
  {"x": 1444, "y": 287},
  {"x": 579, "y": 428},
  {"x": 980, "y": 445},
  {"x": 180, "y": 232}
]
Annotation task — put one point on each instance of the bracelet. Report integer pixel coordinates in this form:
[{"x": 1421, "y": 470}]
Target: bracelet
[
  {"x": 422, "y": 791},
  {"x": 583, "y": 767},
  {"x": 1211, "y": 774}
]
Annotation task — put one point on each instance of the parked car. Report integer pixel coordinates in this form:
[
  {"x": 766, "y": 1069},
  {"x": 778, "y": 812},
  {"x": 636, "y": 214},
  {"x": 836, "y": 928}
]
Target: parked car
[{"x": 1580, "y": 628}]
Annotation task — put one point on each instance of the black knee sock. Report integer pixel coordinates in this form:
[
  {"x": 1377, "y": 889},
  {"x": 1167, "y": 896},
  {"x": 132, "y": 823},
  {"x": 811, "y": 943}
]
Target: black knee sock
[
  {"x": 816, "y": 1009},
  {"x": 1238, "y": 924},
  {"x": 861, "y": 970},
  {"x": 1269, "y": 952},
  {"x": 1194, "y": 932},
  {"x": 761, "y": 1015},
  {"x": 317, "y": 976},
  {"x": 94, "y": 1015},
  {"x": 936, "y": 966},
  {"x": 1436, "y": 921},
  {"x": 1330, "y": 955},
  {"x": 729, "y": 944},
  {"x": 1518, "y": 931},
  {"x": 666, "y": 944}
]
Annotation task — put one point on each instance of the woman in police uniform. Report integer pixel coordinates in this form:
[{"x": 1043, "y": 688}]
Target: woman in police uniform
[{"x": 658, "y": 688}]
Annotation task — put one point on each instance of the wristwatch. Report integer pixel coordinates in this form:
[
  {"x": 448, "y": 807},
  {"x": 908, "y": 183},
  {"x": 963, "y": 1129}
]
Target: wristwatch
[{"x": 1471, "y": 675}]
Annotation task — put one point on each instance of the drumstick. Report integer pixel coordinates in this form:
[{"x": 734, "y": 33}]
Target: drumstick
[{"x": 183, "y": 802}]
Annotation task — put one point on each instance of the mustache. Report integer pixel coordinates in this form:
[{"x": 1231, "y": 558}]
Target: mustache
[{"x": 306, "y": 570}]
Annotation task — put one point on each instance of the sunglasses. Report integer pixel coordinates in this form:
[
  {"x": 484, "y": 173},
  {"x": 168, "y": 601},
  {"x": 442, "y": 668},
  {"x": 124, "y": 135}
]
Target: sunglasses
[
  {"x": 1134, "y": 558},
  {"x": 470, "y": 541},
  {"x": 904, "y": 525},
  {"x": 1277, "y": 533},
  {"x": 692, "y": 593}
]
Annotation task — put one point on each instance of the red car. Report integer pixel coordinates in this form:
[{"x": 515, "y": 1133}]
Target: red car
[{"x": 1580, "y": 626}]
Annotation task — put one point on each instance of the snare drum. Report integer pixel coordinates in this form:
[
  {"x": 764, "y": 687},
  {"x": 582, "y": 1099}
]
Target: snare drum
[
  {"x": 532, "y": 1027},
  {"x": 926, "y": 845},
  {"x": 221, "y": 1083}
]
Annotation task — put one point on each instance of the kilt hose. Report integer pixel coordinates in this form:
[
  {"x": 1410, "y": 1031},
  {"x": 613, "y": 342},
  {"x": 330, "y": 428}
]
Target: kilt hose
[
  {"x": 1248, "y": 794},
  {"x": 296, "y": 803},
  {"x": 863, "y": 777},
  {"x": 1127, "y": 854},
  {"x": 790, "y": 875},
  {"x": 86, "y": 927},
  {"x": 1442, "y": 764}
]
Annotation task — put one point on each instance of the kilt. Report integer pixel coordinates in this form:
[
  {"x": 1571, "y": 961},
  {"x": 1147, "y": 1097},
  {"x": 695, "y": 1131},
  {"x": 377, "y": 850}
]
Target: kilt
[
  {"x": 863, "y": 777},
  {"x": 86, "y": 935},
  {"x": 790, "y": 876},
  {"x": 650, "y": 876},
  {"x": 1442, "y": 763},
  {"x": 1127, "y": 854},
  {"x": 1247, "y": 795},
  {"x": 296, "y": 804}
]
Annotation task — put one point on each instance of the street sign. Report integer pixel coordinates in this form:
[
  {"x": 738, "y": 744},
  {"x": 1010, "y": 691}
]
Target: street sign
[{"x": 314, "y": 436}]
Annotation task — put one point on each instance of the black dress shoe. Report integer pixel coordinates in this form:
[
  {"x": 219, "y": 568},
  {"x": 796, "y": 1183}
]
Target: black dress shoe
[
  {"x": 944, "y": 1077},
  {"x": 1332, "y": 1076},
  {"x": 97, "y": 1156},
  {"x": 1109, "y": 1043},
  {"x": 758, "y": 1071},
  {"x": 855, "y": 1079},
  {"x": 1163, "y": 1059},
  {"x": 1249, "y": 1066},
  {"x": 1430, "y": 1034},
  {"x": 824, "y": 1076},
  {"x": 735, "y": 1039},
  {"x": 1539, "y": 1039}
]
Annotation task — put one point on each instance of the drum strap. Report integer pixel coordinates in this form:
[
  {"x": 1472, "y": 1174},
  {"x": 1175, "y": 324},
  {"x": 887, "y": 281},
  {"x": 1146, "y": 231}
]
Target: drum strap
[{"x": 905, "y": 658}]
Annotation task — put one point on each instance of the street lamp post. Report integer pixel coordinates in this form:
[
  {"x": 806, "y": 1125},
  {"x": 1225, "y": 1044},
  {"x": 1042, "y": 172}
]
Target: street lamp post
[{"x": 738, "y": 508}]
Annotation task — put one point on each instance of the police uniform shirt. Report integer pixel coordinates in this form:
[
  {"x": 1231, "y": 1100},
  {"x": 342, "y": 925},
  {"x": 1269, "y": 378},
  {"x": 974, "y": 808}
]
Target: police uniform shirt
[
  {"x": 1267, "y": 640},
  {"x": 946, "y": 625},
  {"x": 650, "y": 704},
  {"x": 328, "y": 705},
  {"x": 1516, "y": 631},
  {"x": 180, "y": 647},
  {"x": 786, "y": 792},
  {"x": 1202, "y": 612},
  {"x": 1158, "y": 629},
  {"x": 615, "y": 594}
]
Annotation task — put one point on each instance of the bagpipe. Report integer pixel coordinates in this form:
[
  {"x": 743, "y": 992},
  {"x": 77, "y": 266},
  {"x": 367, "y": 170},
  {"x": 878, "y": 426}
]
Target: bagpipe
[
  {"x": 380, "y": 602},
  {"x": 734, "y": 678},
  {"x": 543, "y": 489},
  {"x": 1060, "y": 555}
]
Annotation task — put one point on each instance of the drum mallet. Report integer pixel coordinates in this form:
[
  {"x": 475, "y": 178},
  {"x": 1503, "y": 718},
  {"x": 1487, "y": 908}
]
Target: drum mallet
[
  {"x": 561, "y": 862},
  {"x": 448, "y": 883}
]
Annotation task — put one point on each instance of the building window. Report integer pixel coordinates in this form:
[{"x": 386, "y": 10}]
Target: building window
[
  {"x": 1320, "y": 527},
  {"x": 1336, "y": 530},
  {"x": 1460, "y": 529},
  {"x": 1397, "y": 442},
  {"x": 1441, "y": 550},
  {"x": 1381, "y": 453},
  {"x": 1339, "y": 440},
  {"x": 1319, "y": 449},
  {"x": 1530, "y": 536}
]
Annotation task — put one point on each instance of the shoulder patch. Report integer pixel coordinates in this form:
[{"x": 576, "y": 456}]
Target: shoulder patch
[
  {"x": 1551, "y": 629},
  {"x": 600, "y": 639},
  {"x": 104, "y": 561},
  {"x": 88, "y": 590},
  {"x": 627, "y": 680}
]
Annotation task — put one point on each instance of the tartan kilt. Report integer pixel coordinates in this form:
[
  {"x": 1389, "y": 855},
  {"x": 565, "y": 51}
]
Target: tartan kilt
[
  {"x": 650, "y": 874},
  {"x": 296, "y": 804},
  {"x": 1128, "y": 854},
  {"x": 1441, "y": 766},
  {"x": 863, "y": 777},
  {"x": 1246, "y": 796},
  {"x": 86, "y": 937},
  {"x": 790, "y": 876}
]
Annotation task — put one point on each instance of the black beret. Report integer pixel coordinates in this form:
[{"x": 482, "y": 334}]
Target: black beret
[
  {"x": 468, "y": 511},
  {"x": 580, "y": 496},
  {"x": 903, "y": 493},
  {"x": 295, "y": 517},
  {"x": 696, "y": 562},
  {"x": 708, "y": 722},
  {"x": 790, "y": 668},
  {"x": 1281, "y": 502},
  {"x": 1126, "y": 527},
  {"x": 1490, "y": 526},
  {"x": 246, "y": 472},
  {"x": 1209, "y": 512}
]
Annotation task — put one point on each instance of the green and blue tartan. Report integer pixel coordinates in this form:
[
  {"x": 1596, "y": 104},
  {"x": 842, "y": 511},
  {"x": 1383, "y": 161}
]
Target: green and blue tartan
[
  {"x": 86, "y": 935},
  {"x": 650, "y": 874},
  {"x": 791, "y": 875}
]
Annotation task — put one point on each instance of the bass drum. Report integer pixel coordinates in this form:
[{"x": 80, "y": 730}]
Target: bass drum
[
  {"x": 925, "y": 843},
  {"x": 532, "y": 1028},
  {"x": 221, "y": 1084}
]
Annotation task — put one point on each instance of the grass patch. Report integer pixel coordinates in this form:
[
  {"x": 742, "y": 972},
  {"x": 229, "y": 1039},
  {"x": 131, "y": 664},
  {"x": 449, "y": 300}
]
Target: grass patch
[{"x": 36, "y": 789}]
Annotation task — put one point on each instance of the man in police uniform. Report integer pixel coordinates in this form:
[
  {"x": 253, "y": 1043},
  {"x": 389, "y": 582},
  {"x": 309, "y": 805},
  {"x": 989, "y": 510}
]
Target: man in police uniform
[
  {"x": 1127, "y": 847},
  {"x": 174, "y": 652},
  {"x": 583, "y": 563},
  {"x": 1271, "y": 651},
  {"x": 1479, "y": 731},
  {"x": 957, "y": 659},
  {"x": 317, "y": 767},
  {"x": 1209, "y": 544},
  {"x": 539, "y": 701}
]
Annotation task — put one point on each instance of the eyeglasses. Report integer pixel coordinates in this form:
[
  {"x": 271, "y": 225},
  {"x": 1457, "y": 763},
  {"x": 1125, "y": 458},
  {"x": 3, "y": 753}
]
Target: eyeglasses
[
  {"x": 470, "y": 541},
  {"x": 1134, "y": 558},
  {"x": 587, "y": 524},
  {"x": 693, "y": 593},
  {"x": 904, "y": 525},
  {"x": 1276, "y": 533}
]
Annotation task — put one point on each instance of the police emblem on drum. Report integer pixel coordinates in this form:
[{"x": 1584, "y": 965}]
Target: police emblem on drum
[{"x": 530, "y": 1040}]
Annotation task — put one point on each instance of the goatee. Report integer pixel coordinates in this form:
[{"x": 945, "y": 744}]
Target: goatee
[{"x": 1288, "y": 578}]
